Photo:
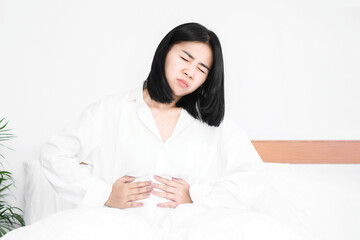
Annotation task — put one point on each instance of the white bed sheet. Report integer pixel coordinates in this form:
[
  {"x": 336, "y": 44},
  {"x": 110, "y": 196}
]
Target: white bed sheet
[{"x": 327, "y": 195}]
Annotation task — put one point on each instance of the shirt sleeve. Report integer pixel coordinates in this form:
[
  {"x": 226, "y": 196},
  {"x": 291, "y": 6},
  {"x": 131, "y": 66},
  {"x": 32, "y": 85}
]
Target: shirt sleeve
[
  {"x": 61, "y": 157},
  {"x": 241, "y": 179}
]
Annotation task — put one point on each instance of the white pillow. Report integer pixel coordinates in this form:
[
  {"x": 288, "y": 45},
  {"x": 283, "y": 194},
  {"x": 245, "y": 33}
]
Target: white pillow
[{"x": 41, "y": 200}]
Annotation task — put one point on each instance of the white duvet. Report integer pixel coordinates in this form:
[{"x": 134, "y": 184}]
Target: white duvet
[{"x": 187, "y": 221}]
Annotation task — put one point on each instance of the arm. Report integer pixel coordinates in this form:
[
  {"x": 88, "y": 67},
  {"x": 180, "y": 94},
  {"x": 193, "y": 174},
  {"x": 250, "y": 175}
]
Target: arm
[
  {"x": 241, "y": 182},
  {"x": 61, "y": 158}
]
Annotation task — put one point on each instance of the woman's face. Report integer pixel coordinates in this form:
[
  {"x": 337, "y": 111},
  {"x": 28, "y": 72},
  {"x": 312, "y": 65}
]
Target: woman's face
[{"x": 187, "y": 65}]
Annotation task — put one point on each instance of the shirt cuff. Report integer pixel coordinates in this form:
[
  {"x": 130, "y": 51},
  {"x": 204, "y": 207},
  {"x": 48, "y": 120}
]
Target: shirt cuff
[{"x": 97, "y": 194}]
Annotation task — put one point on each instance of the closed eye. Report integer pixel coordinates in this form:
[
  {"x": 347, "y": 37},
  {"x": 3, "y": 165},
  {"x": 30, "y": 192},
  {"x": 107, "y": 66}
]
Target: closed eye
[
  {"x": 201, "y": 70},
  {"x": 184, "y": 59}
]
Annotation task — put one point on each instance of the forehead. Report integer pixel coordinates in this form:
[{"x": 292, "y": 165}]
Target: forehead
[{"x": 200, "y": 51}]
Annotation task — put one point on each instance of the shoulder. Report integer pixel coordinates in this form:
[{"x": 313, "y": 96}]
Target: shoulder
[
  {"x": 227, "y": 132},
  {"x": 111, "y": 103},
  {"x": 229, "y": 126},
  {"x": 232, "y": 132}
]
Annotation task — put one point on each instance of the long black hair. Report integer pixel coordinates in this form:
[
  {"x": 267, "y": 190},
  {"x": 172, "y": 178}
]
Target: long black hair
[{"x": 206, "y": 103}]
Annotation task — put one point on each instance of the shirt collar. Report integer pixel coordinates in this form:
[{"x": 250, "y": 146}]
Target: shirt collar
[
  {"x": 144, "y": 113},
  {"x": 137, "y": 93}
]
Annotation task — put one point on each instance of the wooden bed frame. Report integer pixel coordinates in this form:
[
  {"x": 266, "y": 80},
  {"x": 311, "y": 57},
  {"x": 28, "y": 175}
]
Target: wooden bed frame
[{"x": 294, "y": 151}]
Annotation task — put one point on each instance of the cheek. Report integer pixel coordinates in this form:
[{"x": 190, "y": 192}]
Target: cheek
[
  {"x": 172, "y": 67},
  {"x": 199, "y": 82},
  {"x": 202, "y": 78}
]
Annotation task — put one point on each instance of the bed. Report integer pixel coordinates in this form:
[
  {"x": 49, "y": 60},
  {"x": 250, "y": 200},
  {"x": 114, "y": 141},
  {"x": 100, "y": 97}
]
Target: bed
[{"x": 315, "y": 187}]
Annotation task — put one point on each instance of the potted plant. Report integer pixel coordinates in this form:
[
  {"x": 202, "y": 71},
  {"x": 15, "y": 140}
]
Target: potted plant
[{"x": 9, "y": 219}]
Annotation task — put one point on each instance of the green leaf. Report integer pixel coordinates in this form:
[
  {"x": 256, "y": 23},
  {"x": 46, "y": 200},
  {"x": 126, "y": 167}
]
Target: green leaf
[
  {"x": 5, "y": 138},
  {"x": 6, "y": 134},
  {"x": 6, "y": 147},
  {"x": 6, "y": 187},
  {"x": 9, "y": 216},
  {"x": 4, "y": 125},
  {"x": 6, "y": 130}
]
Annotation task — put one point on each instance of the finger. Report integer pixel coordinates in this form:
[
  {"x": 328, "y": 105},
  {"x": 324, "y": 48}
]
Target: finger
[
  {"x": 165, "y": 195},
  {"x": 135, "y": 191},
  {"x": 127, "y": 179},
  {"x": 167, "y": 205},
  {"x": 165, "y": 181},
  {"x": 164, "y": 187},
  {"x": 134, "y": 204},
  {"x": 179, "y": 180},
  {"x": 138, "y": 197},
  {"x": 139, "y": 184}
]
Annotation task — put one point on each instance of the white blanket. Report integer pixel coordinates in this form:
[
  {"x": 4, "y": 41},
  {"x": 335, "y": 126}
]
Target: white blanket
[
  {"x": 322, "y": 199},
  {"x": 187, "y": 221}
]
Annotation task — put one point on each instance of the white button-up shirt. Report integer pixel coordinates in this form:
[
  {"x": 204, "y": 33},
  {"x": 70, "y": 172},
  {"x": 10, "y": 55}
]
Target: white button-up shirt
[{"x": 118, "y": 136}]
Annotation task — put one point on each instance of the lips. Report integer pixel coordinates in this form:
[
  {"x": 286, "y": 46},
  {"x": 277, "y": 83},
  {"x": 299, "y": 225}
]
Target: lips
[{"x": 183, "y": 83}]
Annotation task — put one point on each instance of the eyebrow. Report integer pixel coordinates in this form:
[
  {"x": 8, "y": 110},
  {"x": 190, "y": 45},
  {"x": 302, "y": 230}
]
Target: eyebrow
[{"x": 192, "y": 57}]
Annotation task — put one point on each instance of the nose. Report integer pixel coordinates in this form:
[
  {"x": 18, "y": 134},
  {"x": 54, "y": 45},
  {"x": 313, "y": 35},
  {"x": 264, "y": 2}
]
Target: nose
[
  {"x": 189, "y": 76},
  {"x": 189, "y": 72}
]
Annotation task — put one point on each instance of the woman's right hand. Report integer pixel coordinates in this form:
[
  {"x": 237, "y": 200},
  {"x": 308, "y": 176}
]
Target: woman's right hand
[{"x": 124, "y": 192}]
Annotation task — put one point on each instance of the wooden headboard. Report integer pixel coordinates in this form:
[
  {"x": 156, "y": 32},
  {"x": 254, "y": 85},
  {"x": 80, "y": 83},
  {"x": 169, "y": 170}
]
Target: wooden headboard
[{"x": 294, "y": 151}]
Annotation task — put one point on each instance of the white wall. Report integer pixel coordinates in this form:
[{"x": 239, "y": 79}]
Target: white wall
[{"x": 292, "y": 67}]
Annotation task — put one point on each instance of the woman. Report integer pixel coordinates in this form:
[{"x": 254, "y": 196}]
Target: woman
[
  {"x": 169, "y": 126},
  {"x": 163, "y": 152},
  {"x": 180, "y": 78}
]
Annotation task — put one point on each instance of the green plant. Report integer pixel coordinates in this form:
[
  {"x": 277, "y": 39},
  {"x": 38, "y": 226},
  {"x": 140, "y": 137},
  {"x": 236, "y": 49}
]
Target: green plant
[{"x": 9, "y": 219}]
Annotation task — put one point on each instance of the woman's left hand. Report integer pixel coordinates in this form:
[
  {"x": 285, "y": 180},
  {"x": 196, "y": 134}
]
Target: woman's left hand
[{"x": 175, "y": 190}]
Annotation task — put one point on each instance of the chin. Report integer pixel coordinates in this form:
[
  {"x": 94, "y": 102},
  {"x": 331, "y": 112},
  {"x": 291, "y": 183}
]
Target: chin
[{"x": 181, "y": 93}]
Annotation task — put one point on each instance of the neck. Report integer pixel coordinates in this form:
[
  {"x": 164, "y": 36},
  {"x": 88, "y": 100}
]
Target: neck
[{"x": 154, "y": 104}]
